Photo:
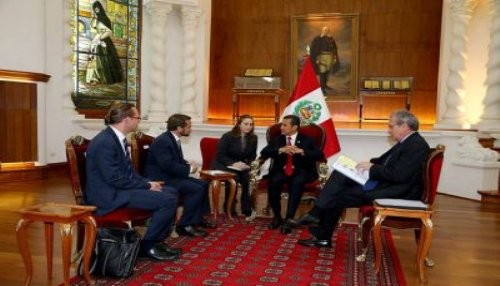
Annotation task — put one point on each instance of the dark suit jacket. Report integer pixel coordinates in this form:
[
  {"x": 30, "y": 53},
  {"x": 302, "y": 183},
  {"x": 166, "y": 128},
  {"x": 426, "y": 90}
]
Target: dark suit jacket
[
  {"x": 307, "y": 163},
  {"x": 108, "y": 177},
  {"x": 229, "y": 151},
  {"x": 399, "y": 170},
  {"x": 164, "y": 159}
]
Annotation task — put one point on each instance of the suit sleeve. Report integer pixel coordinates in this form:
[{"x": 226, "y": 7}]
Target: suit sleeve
[
  {"x": 403, "y": 163},
  {"x": 222, "y": 155},
  {"x": 166, "y": 157},
  {"x": 114, "y": 170}
]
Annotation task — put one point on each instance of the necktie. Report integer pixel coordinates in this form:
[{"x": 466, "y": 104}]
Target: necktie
[
  {"x": 289, "y": 163},
  {"x": 127, "y": 155}
]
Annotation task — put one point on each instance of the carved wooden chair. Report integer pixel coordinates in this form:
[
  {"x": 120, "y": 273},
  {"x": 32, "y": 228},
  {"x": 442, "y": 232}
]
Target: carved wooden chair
[
  {"x": 139, "y": 146},
  {"x": 76, "y": 147},
  {"x": 311, "y": 190},
  {"x": 402, "y": 216}
]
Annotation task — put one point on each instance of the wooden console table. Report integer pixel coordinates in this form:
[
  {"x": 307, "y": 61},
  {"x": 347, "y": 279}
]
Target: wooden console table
[{"x": 273, "y": 93}]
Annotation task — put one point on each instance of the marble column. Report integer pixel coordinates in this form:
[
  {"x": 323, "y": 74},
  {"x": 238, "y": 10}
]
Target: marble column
[
  {"x": 454, "y": 116},
  {"x": 490, "y": 119},
  {"x": 190, "y": 20},
  {"x": 158, "y": 12}
]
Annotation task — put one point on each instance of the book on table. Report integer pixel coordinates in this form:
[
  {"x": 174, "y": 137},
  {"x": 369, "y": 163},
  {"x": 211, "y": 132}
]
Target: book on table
[
  {"x": 237, "y": 168},
  {"x": 347, "y": 166}
]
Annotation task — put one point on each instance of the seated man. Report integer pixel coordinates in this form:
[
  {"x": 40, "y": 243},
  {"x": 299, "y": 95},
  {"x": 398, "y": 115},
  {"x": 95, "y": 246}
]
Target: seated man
[
  {"x": 395, "y": 174},
  {"x": 294, "y": 163},
  {"x": 112, "y": 183},
  {"x": 166, "y": 163}
]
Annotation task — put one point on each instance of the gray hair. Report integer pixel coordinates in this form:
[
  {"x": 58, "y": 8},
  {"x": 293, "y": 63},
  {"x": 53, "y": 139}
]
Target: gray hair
[{"x": 404, "y": 116}]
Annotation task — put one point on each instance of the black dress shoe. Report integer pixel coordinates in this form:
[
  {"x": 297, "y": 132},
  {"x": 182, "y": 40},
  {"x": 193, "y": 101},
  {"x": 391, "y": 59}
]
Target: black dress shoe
[
  {"x": 207, "y": 224},
  {"x": 286, "y": 228},
  {"x": 277, "y": 221},
  {"x": 313, "y": 241},
  {"x": 171, "y": 250},
  {"x": 158, "y": 253},
  {"x": 190, "y": 231},
  {"x": 307, "y": 219}
]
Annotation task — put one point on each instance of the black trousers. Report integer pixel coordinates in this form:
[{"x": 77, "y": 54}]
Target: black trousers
[
  {"x": 295, "y": 186},
  {"x": 339, "y": 193}
]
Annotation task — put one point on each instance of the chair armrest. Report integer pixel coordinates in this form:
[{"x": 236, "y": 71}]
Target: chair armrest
[
  {"x": 323, "y": 173},
  {"x": 255, "y": 172}
]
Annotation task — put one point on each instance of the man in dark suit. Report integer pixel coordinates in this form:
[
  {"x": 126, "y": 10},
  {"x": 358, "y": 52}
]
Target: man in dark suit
[
  {"x": 112, "y": 183},
  {"x": 395, "y": 174},
  {"x": 166, "y": 163},
  {"x": 294, "y": 158}
]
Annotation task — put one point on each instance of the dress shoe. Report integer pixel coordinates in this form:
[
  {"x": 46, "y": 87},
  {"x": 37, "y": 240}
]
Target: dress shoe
[
  {"x": 286, "y": 228},
  {"x": 207, "y": 224},
  {"x": 306, "y": 219},
  {"x": 313, "y": 241},
  {"x": 277, "y": 221},
  {"x": 158, "y": 253},
  {"x": 190, "y": 231},
  {"x": 168, "y": 249}
]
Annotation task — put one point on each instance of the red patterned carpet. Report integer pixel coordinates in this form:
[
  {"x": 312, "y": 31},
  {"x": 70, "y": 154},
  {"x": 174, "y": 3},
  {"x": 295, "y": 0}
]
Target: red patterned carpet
[{"x": 250, "y": 254}]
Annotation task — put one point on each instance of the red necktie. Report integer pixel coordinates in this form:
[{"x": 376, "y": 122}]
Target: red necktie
[{"x": 289, "y": 164}]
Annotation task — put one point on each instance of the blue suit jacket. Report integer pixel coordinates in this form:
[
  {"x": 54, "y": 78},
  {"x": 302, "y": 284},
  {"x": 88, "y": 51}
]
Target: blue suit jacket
[
  {"x": 164, "y": 161},
  {"x": 108, "y": 180}
]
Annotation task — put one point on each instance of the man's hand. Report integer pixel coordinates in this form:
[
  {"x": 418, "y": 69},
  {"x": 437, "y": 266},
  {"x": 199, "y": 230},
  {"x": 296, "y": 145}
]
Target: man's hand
[
  {"x": 155, "y": 186},
  {"x": 194, "y": 167},
  {"x": 290, "y": 150},
  {"x": 364, "y": 166}
]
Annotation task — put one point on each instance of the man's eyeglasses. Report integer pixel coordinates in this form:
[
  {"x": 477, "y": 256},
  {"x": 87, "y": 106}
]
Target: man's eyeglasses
[{"x": 136, "y": 117}]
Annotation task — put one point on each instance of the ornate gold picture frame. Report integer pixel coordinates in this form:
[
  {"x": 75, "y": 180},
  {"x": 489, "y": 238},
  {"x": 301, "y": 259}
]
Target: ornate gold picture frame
[{"x": 337, "y": 67}]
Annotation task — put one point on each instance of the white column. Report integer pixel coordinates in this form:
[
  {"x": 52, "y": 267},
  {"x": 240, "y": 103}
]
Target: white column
[
  {"x": 490, "y": 119},
  {"x": 190, "y": 20},
  {"x": 158, "y": 11},
  {"x": 454, "y": 116}
]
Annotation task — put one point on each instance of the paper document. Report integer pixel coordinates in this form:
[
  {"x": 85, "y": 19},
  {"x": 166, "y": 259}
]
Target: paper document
[
  {"x": 402, "y": 204},
  {"x": 237, "y": 169},
  {"x": 347, "y": 166}
]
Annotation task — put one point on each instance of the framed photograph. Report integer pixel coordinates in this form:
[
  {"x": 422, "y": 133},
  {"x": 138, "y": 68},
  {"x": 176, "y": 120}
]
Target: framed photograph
[{"x": 331, "y": 40}]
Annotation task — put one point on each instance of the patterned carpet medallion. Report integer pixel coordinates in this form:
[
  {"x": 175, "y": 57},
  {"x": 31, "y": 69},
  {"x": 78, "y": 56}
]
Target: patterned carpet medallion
[{"x": 251, "y": 254}]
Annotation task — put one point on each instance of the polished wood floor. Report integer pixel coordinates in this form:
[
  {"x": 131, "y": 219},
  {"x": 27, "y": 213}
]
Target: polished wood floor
[{"x": 465, "y": 248}]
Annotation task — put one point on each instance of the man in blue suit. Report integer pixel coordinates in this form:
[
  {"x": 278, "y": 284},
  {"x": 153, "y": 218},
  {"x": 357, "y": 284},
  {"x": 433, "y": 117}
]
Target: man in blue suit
[
  {"x": 166, "y": 163},
  {"x": 112, "y": 183}
]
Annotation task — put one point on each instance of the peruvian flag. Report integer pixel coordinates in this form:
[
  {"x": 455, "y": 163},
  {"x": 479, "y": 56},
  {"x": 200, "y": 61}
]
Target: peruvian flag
[{"x": 307, "y": 102}]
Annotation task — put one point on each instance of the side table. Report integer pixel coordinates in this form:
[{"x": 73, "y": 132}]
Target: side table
[
  {"x": 215, "y": 177},
  {"x": 66, "y": 215}
]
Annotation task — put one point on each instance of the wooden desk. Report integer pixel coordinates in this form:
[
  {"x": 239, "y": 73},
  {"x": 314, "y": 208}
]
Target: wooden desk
[
  {"x": 425, "y": 234},
  {"x": 274, "y": 93},
  {"x": 66, "y": 215},
  {"x": 216, "y": 177}
]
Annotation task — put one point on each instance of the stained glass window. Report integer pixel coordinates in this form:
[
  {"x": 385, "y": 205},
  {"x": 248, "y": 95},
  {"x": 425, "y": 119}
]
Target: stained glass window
[{"x": 106, "y": 53}]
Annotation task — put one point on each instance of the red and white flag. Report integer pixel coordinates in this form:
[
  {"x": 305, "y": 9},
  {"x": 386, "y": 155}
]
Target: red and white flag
[{"x": 307, "y": 101}]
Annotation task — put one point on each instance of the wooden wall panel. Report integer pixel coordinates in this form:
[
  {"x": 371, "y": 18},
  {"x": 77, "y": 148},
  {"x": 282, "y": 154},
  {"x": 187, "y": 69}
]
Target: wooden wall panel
[
  {"x": 18, "y": 122},
  {"x": 396, "y": 38}
]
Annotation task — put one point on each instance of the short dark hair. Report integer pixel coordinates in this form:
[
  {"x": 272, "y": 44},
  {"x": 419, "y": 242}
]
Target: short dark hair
[
  {"x": 118, "y": 111},
  {"x": 177, "y": 120},
  {"x": 294, "y": 120}
]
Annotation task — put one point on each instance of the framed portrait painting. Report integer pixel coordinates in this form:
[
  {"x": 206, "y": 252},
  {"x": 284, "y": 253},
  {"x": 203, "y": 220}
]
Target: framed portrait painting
[{"x": 331, "y": 40}]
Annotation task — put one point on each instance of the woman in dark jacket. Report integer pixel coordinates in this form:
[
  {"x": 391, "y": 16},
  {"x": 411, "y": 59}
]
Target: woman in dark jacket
[{"x": 235, "y": 151}]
